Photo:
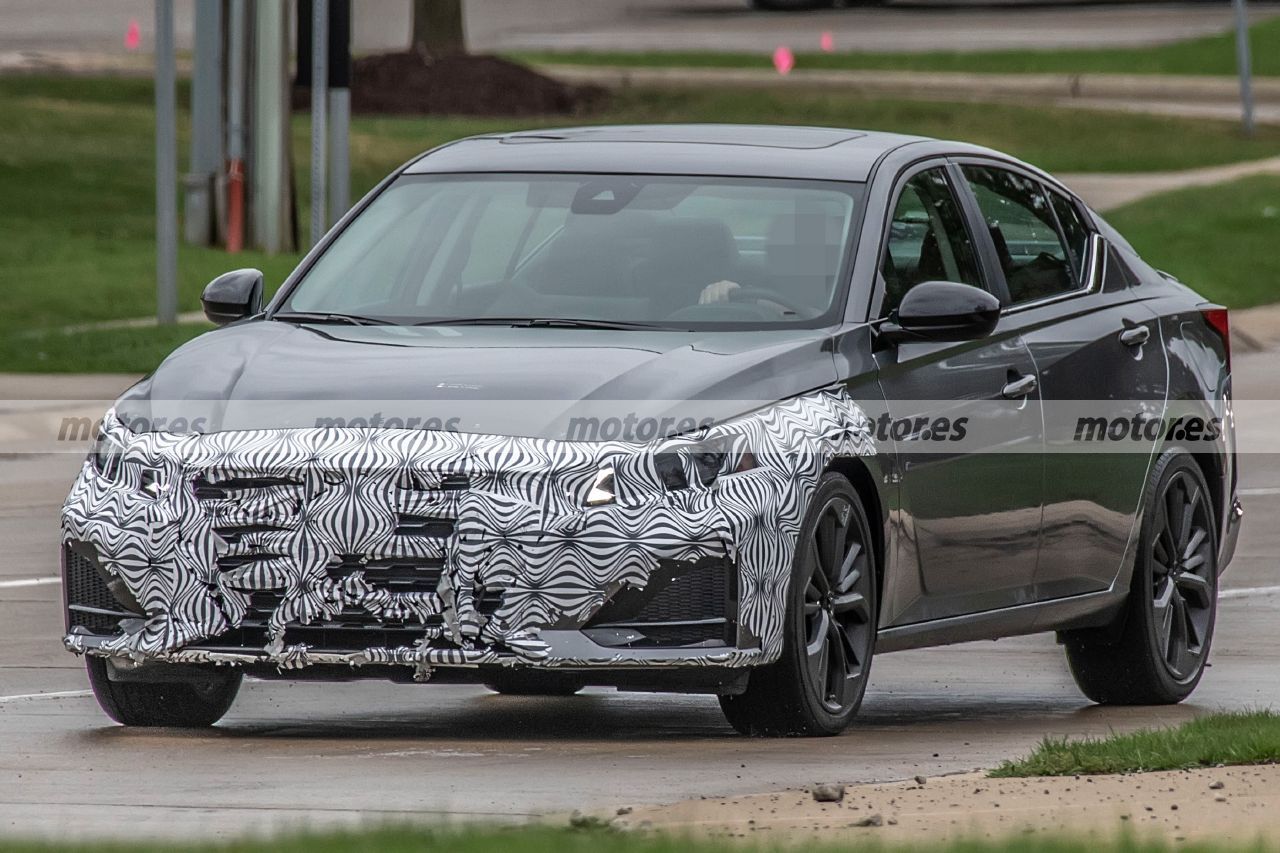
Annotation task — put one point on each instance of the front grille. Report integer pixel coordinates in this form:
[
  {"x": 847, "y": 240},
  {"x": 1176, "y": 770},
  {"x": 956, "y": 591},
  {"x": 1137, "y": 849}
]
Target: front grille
[
  {"x": 325, "y": 637},
  {"x": 90, "y": 604},
  {"x": 397, "y": 574},
  {"x": 352, "y": 629},
  {"x": 206, "y": 490},
  {"x": 424, "y": 525},
  {"x": 255, "y": 515},
  {"x": 683, "y": 604}
]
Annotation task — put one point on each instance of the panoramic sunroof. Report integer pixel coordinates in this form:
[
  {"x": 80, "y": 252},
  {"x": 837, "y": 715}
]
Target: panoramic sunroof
[{"x": 768, "y": 137}]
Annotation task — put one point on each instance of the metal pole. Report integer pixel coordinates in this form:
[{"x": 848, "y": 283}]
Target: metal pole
[
  {"x": 339, "y": 107},
  {"x": 269, "y": 126},
  {"x": 206, "y": 126},
  {"x": 166, "y": 167},
  {"x": 1245, "y": 65},
  {"x": 237, "y": 39},
  {"x": 319, "y": 115}
]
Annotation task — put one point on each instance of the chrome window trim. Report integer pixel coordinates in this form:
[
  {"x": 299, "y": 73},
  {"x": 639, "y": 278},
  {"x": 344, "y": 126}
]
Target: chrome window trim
[{"x": 1097, "y": 271}]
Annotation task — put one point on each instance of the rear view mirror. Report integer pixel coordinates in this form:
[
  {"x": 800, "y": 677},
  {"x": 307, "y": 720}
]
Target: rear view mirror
[
  {"x": 233, "y": 296},
  {"x": 943, "y": 311}
]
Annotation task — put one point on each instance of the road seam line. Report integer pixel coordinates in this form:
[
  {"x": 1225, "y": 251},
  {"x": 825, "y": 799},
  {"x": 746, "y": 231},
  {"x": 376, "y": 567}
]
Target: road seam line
[
  {"x": 23, "y": 582},
  {"x": 61, "y": 694},
  {"x": 1247, "y": 592}
]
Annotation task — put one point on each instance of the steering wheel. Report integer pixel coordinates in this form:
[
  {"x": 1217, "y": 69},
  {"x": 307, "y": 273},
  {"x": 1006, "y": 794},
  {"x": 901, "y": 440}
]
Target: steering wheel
[{"x": 748, "y": 294}]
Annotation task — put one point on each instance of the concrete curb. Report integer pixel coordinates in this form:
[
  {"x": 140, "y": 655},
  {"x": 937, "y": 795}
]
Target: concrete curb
[{"x": 924, "y": 84}]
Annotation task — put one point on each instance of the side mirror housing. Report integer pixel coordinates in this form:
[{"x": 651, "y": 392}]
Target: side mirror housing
[
  {"x": 942, "y": 311},
  {"x": 233, "y": 296}
]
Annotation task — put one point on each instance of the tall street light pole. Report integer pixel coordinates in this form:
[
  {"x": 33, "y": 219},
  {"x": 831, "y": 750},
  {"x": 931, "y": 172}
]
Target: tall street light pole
[
  {"x": 1245, "y": 65},
  {"x": 166, "y": 167},
  {"x": 319, "y": 116}
]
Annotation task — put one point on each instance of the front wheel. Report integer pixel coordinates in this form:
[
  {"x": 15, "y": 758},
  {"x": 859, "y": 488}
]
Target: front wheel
[
  {"x": 817, "y": 685},
  {"x": 196, "y": 703},
  {"x": 1157, "y": 654}
]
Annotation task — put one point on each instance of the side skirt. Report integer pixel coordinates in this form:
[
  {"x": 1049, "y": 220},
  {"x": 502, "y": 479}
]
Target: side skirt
[{"x": 1090, "y": 610}]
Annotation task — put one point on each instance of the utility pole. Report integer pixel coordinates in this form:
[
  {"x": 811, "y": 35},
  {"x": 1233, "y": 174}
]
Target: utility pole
[
  {"x": 339, "y": 108},
  {"x": 206, "y": 127},
  {"x": 273, "y": 215},
  {"x": 237, "y": 38},
  {"x": 319, "y": 116},
  {"x": 1245, "y": 64},
  {"x": 166, "y": 167}
]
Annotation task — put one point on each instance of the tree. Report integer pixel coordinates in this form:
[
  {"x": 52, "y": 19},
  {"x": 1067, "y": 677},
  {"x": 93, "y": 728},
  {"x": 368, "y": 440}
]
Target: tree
[{"x": 437, "y": 28}]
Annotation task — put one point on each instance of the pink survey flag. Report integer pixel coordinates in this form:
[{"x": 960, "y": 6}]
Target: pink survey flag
[
  {"x": 827, "y": 42},
  {"x": 783, "y": 59},
  {"x": 132, "y": 35}
]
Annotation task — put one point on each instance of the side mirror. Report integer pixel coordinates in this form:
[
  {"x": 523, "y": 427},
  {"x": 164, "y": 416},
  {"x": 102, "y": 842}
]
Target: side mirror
[
  {"x": 942, "y": 311},
  {"x": 233, "y": 296}
]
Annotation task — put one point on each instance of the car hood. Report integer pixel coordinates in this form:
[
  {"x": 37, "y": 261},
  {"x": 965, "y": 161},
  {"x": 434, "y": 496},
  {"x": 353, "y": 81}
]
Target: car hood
[{"x": 576, "y": 384}]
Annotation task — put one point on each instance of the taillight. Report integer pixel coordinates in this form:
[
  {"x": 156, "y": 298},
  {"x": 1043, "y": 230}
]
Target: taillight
[{"x": 1219, "y": 321}]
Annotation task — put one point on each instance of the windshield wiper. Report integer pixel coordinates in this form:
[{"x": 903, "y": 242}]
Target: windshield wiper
[
  {"x": 328, "y": 317},
  {"x": 537, "y": 322}
]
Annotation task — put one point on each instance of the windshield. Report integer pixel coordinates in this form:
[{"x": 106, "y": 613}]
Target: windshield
[{"x": 635, "y": 251}]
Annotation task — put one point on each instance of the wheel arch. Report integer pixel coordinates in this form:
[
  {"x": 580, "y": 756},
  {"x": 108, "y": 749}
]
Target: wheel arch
[
  {"x": 1210, "y": 465},
  {"x": 859, "y": 476}
]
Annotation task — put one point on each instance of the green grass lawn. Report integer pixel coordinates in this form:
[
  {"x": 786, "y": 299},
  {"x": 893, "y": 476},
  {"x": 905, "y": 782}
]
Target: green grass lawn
[
  {"x": 76, "y": 172},
  {"x": 545, "y": 840},
  {"x": 1229, "y": 738},
  {"x": 1221, "y": 240},
  {"x": 1209, "y": 55}
]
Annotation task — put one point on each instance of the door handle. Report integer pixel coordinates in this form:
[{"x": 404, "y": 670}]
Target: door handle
[
  {"x": 1020, "y": 387},
  {"x": 1136, "y": 336}
]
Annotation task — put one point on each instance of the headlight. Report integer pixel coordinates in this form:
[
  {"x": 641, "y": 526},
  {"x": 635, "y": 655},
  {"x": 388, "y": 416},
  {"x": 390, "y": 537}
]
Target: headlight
[
  {"x": 707, "y": 460},
  {"x": 105, "y": 456},
  {"x": 602, "y": 491},
  {"x": 678, "y": 464}
]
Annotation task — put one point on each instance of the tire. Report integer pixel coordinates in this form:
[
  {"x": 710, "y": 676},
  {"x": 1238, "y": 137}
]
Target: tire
[
  {"x": 521, "y": 682},
  {"x": 815, "y": 687},
  {"x": 1156, "y": 651},
  {"x": 177, "y": 704}
]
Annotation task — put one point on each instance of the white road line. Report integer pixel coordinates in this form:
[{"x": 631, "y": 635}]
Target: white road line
[
  {"x": 21, "y": 582},
  {"x": 1248, "y": 592},
  {"x": 61, "y": 694},
  {"x": 1275, "y": 490}
]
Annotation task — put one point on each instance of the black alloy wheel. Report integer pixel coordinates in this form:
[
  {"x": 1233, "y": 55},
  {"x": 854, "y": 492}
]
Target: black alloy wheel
[
  {"x": 817, "y": 685},
  {"x": 1155, "y": 652}
]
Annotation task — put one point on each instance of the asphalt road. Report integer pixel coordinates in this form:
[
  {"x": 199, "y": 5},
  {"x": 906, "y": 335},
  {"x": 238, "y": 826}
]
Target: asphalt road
[
  {"x": 905, "y": 25},
  {"x": 309, "y": 755}
]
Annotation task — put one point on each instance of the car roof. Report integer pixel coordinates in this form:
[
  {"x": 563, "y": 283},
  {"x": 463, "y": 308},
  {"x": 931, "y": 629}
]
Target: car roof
[{"x": 822, "y": 153}]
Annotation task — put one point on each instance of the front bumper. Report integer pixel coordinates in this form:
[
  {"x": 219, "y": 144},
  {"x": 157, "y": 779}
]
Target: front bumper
[{"x": 430, "y": 549}]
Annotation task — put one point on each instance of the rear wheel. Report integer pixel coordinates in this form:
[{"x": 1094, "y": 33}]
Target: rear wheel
[
  {"x": 1156, "y": 657},
  {"x": 817, "y": 685},
  {"x": 519, "y": 682},
  {"x": 181, "y": 704}
]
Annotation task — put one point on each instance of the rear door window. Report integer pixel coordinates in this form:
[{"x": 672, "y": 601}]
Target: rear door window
[
  {"x": 1073, "y": 229},
  {"x": 1033, "y": 252}
]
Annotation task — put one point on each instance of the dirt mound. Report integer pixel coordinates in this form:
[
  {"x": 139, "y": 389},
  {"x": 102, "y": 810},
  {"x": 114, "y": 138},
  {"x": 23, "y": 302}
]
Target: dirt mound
[{"x": 460, "y": 85}]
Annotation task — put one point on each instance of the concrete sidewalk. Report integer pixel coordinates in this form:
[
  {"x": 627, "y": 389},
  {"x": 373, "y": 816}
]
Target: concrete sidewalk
[
  {"x": 935, "y": 84},
  {"x": 1163, "y": 94},
  {"x": 1108, "y": 191}
]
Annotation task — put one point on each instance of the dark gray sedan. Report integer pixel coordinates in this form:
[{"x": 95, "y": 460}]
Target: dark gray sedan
[{"x": 676, "y": 408}]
